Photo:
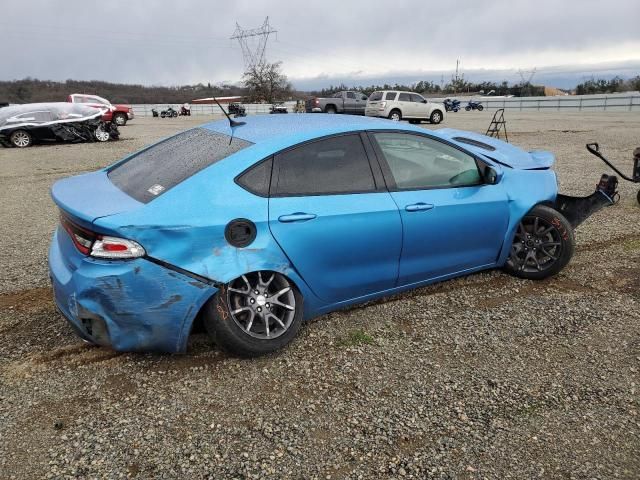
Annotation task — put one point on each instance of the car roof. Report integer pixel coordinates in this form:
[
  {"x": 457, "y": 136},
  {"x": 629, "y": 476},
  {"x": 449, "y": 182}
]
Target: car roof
[{"x": 285, "y": 130}]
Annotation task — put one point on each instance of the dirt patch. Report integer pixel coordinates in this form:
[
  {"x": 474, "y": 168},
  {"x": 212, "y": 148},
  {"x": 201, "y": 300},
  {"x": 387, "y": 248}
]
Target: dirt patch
[{"x": 35, "y": 300}]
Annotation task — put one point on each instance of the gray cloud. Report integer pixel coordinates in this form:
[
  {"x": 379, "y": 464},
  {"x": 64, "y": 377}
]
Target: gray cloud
[{"x": 163, "y": 42}]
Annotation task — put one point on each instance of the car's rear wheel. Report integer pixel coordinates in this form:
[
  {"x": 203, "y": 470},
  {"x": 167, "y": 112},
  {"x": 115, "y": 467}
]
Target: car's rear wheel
[
  {"x": 120, "y": 119},
  {"x": 436, "y": 117},
  {"x": 21, "y": 139},
  {"x": 395, "y": 115},
  {"x": 330, "y": 109},
  {"x": 254, "y": 314},
  {"x": 542, "y": 246}
]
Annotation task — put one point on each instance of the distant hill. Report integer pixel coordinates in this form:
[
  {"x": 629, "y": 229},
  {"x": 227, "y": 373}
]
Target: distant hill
[{"x": 30, "y": 91}]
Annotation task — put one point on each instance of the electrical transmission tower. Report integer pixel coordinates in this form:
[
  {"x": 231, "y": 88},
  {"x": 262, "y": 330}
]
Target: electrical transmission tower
[
  {"x": 523, "y": 74},
  {"x": 526, "y": 80},
  {"x": 253, "y": 43}
]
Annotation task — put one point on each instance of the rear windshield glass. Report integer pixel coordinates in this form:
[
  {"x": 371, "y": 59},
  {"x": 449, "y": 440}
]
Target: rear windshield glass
[
  {"x": 156, "y": 170},
  {"x": 375, "y": 96}
]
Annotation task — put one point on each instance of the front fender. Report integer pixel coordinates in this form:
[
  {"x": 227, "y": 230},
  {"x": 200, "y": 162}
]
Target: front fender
[{"x": 525, "y": 189}]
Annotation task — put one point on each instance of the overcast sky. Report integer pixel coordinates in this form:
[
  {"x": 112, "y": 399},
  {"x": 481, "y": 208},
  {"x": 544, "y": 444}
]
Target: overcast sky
[{"x": 169, "y": 42}]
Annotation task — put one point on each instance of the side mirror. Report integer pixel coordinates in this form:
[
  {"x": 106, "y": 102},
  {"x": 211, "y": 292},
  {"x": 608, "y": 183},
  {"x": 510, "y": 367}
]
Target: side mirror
[
  {"x": 424, "y": 101},
  {"x": 491, "y": 176}
]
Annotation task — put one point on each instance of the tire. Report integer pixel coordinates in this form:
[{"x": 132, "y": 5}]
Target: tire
[
  {"x": 395, "y": 115},
  {"x": 102, "y": 133},
  {"x": 535, "y": 257},
  {"x": 21, "y": 139},
  {"x": 235, "y": 316},
  {"x": 120, "y": 119},
  {"x": 468, "y": 109},
  {"x": 436, "y": 117},
  {"x": 162, "y": 114},
  {"x": 330, "y": 109},
  {"x": 174, "y": 114},
  {"x": 480, "y": 108}
]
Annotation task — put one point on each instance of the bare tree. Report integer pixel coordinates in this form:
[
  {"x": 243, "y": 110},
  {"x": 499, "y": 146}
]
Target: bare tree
[{"x": 266, "y": 82}]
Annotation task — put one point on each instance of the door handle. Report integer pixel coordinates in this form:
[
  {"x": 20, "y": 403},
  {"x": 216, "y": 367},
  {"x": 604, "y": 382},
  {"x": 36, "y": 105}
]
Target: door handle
[
  {"x": 418, "y": 207},
  {"x": 296, "y": 217}
]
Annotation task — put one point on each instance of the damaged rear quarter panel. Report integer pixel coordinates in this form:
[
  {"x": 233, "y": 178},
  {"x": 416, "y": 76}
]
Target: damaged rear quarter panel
[{"x": 185, "y": 228}]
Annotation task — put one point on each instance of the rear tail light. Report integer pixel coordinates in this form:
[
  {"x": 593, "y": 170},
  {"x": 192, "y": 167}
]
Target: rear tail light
[
  {"x": 382, "y": 105},
  {"x": 99, "y": 246},
  {"x": 81, "y": 237},
  {"x": 316, "y": 101},
  {"x": 113, "y": 247}
]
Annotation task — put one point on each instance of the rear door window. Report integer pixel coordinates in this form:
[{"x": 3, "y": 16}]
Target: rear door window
[
  {"x": 351, "y": 95},
  {"x": 161, "y": 167},
  {"x": 390, "y": 96},
  {"x": 335, "y": 165}
]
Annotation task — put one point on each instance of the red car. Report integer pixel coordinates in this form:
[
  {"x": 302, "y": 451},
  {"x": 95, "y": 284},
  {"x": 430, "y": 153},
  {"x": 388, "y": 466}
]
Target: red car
[{"x": 119, "y": 114}]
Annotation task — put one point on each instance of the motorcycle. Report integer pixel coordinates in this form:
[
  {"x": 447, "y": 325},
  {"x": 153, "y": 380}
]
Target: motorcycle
[
  {"x": 185, "y": 111},
  {"x": 237, "y": 110},
  {"x": 474, "y": 105},
  {"x": 452, "y": 105},
  {"x": 168, "y": 113},
  {"x": 154, "y": 112}
]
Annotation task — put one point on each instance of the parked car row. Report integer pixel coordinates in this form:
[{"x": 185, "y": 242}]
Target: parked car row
[{"x": 392, "y": 104}]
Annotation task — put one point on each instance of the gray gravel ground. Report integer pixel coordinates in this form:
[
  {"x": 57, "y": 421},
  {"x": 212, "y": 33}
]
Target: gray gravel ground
[{"x": 486, "y": 376}]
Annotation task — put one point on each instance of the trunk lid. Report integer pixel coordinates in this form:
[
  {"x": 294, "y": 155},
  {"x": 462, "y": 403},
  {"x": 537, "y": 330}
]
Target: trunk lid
[
  {"x": 501, "y": 152},
  {"x": 90, "y": 196}
]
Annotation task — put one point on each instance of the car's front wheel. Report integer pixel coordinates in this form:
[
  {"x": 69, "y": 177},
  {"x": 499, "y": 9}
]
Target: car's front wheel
[
  {"x": 102, "y": 133},
  {"x": 254, "y": 314},
  {"x": 21, "y": 139},
  {"x": 542, "y": 246},
  {"x": 436, "y": 117}
]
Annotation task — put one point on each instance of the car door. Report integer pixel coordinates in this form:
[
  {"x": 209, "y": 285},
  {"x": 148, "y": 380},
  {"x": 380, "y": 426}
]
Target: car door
[
  {"x": 361, "y": 103},
  {"x": 419, "y": 106},
  {"x": 349, "y": 102},
  {"x": 452, "y": 221},
  {"x": 405, "y": 105},
  {"x": 334, "y": 219}
]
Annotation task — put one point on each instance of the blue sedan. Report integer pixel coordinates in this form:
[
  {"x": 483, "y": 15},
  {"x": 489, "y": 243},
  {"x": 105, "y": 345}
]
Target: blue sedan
[{"x": 256, "y": 227}]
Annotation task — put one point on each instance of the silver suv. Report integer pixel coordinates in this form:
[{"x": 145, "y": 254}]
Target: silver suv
[{"x": 398, "y": 106}]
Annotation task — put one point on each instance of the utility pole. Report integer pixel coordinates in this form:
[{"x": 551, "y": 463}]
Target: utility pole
[{"x": 253, "y": 43}]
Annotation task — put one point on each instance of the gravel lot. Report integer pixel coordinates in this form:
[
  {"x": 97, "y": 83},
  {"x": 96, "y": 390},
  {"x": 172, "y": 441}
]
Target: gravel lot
[{"x": 486, "y": 376}]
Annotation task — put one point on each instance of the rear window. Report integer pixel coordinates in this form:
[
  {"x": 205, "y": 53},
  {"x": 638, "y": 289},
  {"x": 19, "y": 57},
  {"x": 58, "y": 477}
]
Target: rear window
[
  {"x": 375, "y": 96},
  {"x": 161, "y": 167}
]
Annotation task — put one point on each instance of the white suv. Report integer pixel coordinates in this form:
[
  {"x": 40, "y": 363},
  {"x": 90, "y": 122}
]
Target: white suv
[{"x": 403, "y": 106}]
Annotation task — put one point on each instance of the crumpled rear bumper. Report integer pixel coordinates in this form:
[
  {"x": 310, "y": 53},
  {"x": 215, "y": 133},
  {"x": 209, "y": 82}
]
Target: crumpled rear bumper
[{"x": 133, "y": 305}]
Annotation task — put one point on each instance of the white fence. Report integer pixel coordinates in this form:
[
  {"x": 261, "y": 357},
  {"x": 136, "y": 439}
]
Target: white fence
[
  {"x": 144, "y": 110},
  {"x": 613, "y": 102}
]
